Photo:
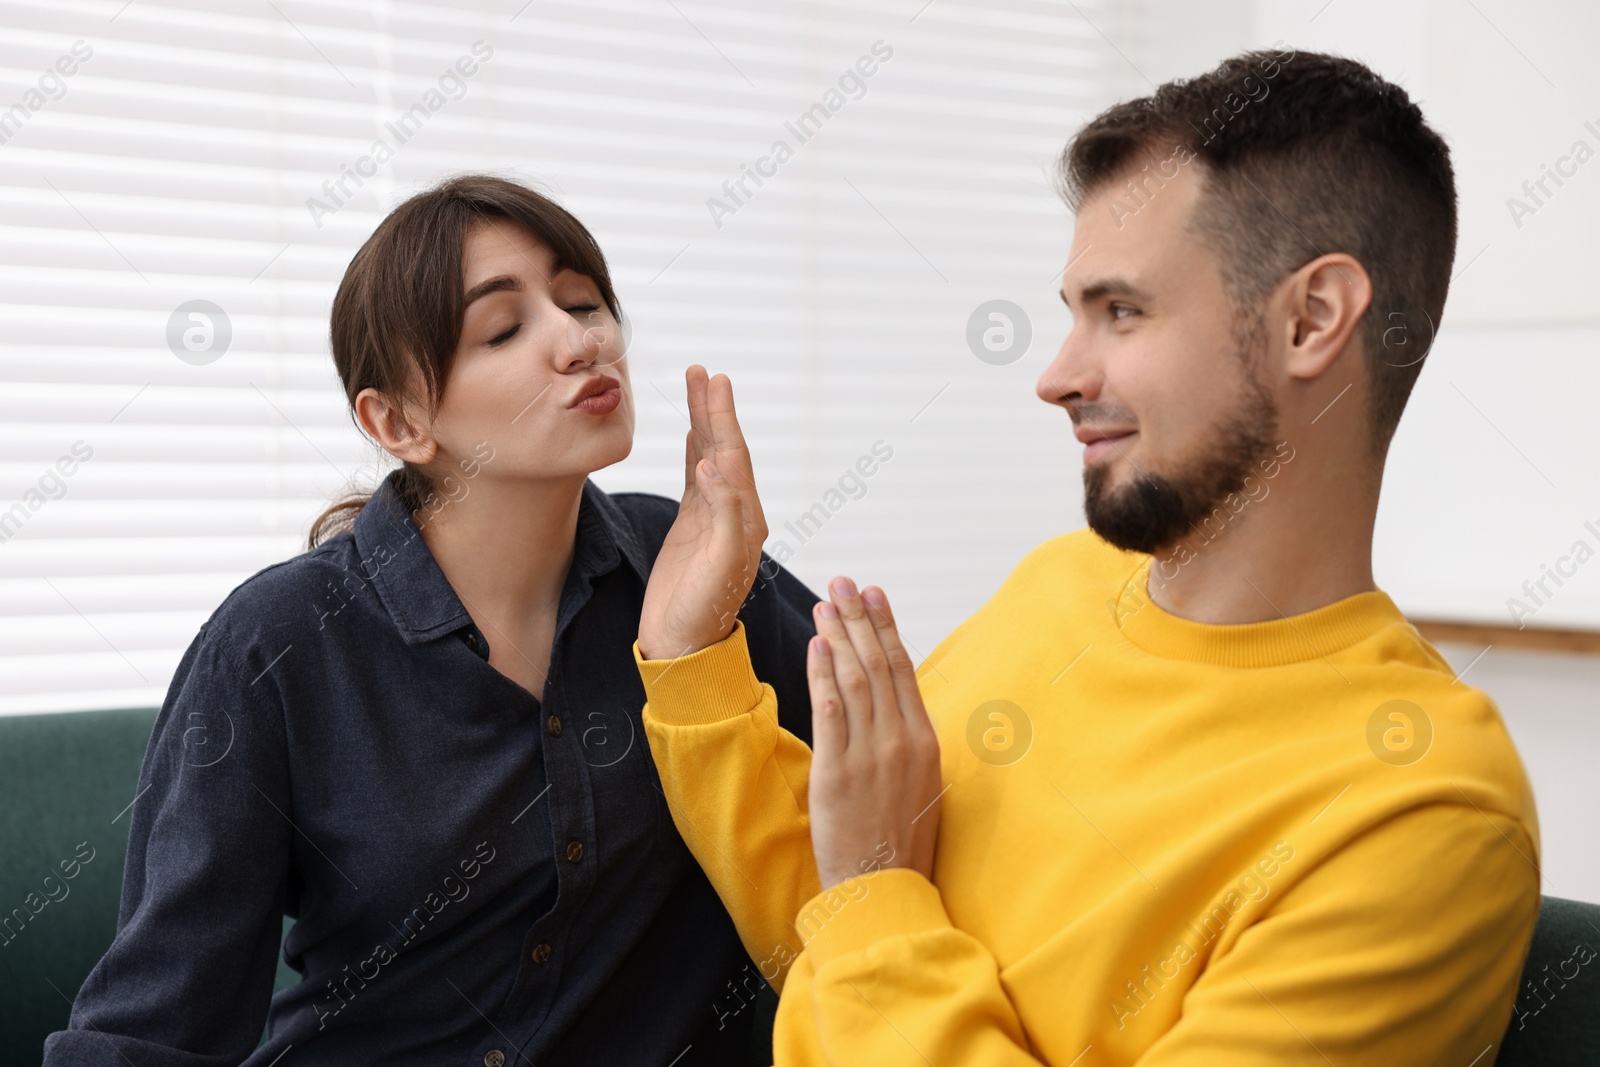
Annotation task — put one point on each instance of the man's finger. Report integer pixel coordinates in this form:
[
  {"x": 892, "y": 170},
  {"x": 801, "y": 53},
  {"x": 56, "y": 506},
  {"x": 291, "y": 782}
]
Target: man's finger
[
  {"x": 854, "y": 687},
  {"x": 902, "y": 669},
  {"x": 869, "y": 651},
  {"x": 830, "y": 730}
]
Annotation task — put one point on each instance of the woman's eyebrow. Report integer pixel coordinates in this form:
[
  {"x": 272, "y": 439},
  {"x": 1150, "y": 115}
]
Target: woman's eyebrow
[{"x": 498, "y": 284}]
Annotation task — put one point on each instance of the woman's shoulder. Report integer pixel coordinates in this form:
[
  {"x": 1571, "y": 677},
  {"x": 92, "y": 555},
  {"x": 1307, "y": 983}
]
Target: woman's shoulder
[{"x": 282, "y": 600}]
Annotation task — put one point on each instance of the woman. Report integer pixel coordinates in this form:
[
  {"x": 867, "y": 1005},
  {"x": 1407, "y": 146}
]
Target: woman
[{"x": 420, "y": 738}]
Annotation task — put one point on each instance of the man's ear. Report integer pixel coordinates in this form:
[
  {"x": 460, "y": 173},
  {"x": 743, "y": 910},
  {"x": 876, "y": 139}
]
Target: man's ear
[
  {"x": 1326, "y": 300},
  {"x": 394, "y": 427}
]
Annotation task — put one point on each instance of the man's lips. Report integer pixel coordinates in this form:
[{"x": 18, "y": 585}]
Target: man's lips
[
  {"x": 1102, "y": 442},
  {"x": 1090, "y": 434}
]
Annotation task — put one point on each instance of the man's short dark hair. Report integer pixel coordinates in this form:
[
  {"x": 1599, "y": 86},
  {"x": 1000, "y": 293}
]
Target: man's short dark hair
[{"x": 1303, "y": 154}]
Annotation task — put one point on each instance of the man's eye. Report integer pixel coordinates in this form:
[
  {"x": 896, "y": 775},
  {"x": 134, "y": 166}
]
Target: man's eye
[
  {"x": 504, "y": 337},
  {"x": 1115, "y": 308}
]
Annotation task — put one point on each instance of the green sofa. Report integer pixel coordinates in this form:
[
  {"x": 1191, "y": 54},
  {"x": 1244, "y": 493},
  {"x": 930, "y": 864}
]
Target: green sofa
[{"x": 69, "y": 779}]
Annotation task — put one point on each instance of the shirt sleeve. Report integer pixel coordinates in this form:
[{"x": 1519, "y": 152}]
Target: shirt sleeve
[
  {"x": 1403, "y": 947},
  {"x": 735, "y": 782},
  {"x": 188, "y": 978}
]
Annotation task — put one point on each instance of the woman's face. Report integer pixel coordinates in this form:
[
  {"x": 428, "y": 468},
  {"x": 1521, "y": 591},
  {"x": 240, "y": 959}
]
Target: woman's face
[{"x": 535, "y": 341}]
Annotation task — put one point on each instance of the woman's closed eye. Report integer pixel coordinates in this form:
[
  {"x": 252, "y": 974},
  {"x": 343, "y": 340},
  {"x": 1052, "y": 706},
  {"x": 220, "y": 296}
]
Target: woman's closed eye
[{"x": 507, "y": 334}]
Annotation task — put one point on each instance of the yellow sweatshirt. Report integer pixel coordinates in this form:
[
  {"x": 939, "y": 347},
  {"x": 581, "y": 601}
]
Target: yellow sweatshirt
[{"x": 1162, "y": 842}]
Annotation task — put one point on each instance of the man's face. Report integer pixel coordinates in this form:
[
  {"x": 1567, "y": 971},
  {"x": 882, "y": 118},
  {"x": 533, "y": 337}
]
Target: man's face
[{"x": 1170, "y": 399}]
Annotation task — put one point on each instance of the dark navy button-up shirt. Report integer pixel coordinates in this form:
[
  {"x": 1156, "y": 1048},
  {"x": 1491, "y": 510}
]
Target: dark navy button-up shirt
[{"x": 476, "y": 877}]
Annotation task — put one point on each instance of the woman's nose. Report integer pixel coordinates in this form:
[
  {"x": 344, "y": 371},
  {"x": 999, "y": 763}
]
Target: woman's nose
[{"x": 592, "y": 337}]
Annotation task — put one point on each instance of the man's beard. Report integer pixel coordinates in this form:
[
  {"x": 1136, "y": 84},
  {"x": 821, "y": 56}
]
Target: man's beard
[{"x": 1153, "y": 511}]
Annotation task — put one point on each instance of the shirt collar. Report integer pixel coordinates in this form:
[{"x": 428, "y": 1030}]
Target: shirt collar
[{"x": 418, "y": 597}]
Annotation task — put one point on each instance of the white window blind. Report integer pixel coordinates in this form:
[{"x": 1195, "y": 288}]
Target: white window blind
[{"x": 141, "y": 481}]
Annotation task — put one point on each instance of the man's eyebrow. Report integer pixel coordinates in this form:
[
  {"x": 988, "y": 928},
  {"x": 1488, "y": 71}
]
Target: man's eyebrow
[
  {"x": 1105, "y": 287},
  {"x": 498, "y": 284}
]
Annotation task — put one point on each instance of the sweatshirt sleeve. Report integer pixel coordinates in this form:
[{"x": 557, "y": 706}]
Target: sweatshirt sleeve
[
  {"x": 1418, "y": 966},
  {"x": 188, "y": 977},
  {"x": 893, "y": 981},
  {"x": 735, "y": 781}
]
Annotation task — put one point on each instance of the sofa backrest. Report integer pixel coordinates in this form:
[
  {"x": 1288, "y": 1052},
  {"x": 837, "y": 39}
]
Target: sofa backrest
[
  {"x": 1556, "y": 1020},
  {"x": 69, "y": 780},
  {"x": 67, "y": 786}
]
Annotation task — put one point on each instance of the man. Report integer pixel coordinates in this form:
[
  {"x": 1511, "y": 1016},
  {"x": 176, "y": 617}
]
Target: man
[{"x": 1200, "y": 794}]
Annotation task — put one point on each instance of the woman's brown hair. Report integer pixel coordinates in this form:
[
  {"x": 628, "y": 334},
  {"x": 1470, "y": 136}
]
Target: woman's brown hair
[{"x": 398, "y": 312}]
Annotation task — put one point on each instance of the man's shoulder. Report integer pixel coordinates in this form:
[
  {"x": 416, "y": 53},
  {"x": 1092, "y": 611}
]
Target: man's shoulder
[
  {"x": 1079, "y": 562},
  {"x": 1052, "y": 593},
  {"x": 1447, "y": 737}
]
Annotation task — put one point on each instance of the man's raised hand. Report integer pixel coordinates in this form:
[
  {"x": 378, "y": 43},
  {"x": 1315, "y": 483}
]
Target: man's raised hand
[{"x": 875, "y": 768}]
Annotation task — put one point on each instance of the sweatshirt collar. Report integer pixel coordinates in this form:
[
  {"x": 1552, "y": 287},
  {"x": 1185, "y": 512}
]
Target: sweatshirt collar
[{"x": 1273, "y": 643}]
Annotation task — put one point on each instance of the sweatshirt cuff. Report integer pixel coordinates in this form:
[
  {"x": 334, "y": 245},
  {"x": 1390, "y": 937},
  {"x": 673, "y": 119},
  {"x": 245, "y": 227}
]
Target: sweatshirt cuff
[
  {"x": 707, "y": 686},
  {"x": 866, "y": 909}
]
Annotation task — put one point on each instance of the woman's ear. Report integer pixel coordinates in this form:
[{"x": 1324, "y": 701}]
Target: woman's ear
[{"x": 394, "y": 428}]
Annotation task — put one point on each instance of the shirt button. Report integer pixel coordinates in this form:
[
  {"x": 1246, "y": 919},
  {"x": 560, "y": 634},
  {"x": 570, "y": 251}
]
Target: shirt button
[
  {"x": 472, "y": 642},
  {"x": 574, "y": 851},
  {"x": 494, "y": 1058},
  {"x": 541, "y": 954},
  {"x": 553, "y": 724}
]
